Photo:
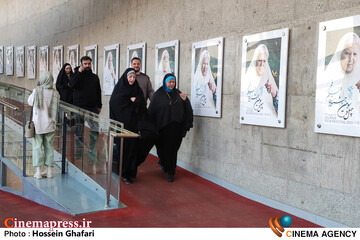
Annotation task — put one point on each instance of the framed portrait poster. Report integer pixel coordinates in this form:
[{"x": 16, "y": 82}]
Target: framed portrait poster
[
  {"x": 43, "y": 59},
  {"x": 166, "y": 61},
  {"x": 206, "y": 77},
  {"x": 73, "y": 56},
  {"x": 111, "y": 68},
  {"x": 139, "y": 51},
  {"x": 57, "y": 60},
  {"x": 263, "y": 78},
  {"x": 91, "y": 51},
  {"x": 20, "y": 61},
  {"x": 1, "y": 59},
  {"x": 9, "y": 62},
  {"x": 31, "y": 62},
  {"x": 337, "y": 104}
]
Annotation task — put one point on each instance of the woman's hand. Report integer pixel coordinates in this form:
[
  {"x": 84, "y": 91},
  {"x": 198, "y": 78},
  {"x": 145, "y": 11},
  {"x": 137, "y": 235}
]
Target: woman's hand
[
  {"x": 270, "y": 89},
  {"x": 212, "y": 86},
  {"x": 183, "y": 96},
  {"x": 358, "y": 85},
  {"x": 133, "y": 99}
]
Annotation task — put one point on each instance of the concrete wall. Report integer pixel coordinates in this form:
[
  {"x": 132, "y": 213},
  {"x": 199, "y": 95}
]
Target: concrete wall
[{"x": 317, "y": 173}]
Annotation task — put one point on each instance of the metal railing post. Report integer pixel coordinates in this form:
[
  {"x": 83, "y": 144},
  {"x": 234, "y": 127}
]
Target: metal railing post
[
  {"x": 24, "y": 145},
  {"x": 2, "y": 174},
  {"x": 109, "y": 170},
  {"x": 2, "y": 167},
  {"x": 63, "y": 157},
  {"x": 2, "y": 130},
  {"x": 120, "y": 167}
]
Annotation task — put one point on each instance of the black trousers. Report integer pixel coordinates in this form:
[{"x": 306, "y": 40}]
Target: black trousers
[{"x": 168, "y": 144}]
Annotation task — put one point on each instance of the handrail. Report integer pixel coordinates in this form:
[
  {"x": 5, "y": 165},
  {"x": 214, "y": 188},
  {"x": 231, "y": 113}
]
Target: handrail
[
  {"x": 2, "y": 102},
  {"x": 114, "y": 128},
  {"x": 124, "y": 134}
]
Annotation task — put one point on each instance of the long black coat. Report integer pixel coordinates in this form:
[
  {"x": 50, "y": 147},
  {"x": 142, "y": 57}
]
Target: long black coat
[{"x": 124, "y": 110}]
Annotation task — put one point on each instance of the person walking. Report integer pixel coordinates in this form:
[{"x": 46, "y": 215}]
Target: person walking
[
  {"x": 172, "y": 114},
  {"x": 142, "y": 79},
  {"x": 45, "y": 101},
  {"x": 128, "y": 106},
  {"x": 63, "y": 83},
  {"x": 87, "y": 95}
]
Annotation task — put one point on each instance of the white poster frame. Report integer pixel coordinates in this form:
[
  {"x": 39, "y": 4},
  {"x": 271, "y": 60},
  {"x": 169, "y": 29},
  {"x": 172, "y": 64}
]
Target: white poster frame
[
  {"x": 338, "y": 112},
  {"x": 140, "y": 50},
  {"x": 172, "y": 48},
  {"x": 203, "y": 104},
  {"x": 264, "y": 102},
  {"x": 108, "y": 83}
]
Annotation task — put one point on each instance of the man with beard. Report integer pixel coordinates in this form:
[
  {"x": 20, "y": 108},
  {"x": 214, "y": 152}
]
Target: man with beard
[
  {"x": 87, "y": 95},
  {"x": 142, "y": 79}
]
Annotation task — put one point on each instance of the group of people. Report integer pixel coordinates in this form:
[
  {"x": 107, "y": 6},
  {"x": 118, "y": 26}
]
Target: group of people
[
  {"x": 80, "y": 88},
  {"x": 163, "y": 124},
  {"x": 169, "y": 115}
]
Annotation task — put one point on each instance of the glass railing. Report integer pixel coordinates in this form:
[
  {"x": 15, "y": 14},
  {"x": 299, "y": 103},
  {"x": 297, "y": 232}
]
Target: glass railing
[{"x": 81, "y": 141}]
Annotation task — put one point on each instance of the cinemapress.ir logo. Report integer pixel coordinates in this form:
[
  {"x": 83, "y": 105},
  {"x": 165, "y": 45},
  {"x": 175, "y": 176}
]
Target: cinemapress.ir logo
[{"x": 277, "y": 224}]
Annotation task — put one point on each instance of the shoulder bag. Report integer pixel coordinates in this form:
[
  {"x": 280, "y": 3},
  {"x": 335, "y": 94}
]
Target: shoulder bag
[{"x": 29, "y": 126}]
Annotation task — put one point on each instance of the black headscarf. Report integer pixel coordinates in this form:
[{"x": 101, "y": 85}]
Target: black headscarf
[
  {"x": 122, "y": 109},
  {"x": 66, "y": 93},
  {"x": 167, "y": 107}
]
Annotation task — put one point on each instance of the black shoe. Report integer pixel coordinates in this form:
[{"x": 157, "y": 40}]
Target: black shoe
[
  {"x": 127, "y": 180},
  {"x": 170, "y": 178}
]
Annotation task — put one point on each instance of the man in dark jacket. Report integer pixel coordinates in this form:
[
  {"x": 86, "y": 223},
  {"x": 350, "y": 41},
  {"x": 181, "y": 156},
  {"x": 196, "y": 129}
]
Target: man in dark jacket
[{"x": 87, "y": 95}]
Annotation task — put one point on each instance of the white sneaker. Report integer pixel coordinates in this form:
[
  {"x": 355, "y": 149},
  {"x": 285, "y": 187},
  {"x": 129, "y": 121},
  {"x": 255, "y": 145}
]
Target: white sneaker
[
  {"x": 44, "y": 173},
  {"x": 37, "y": 172},
  {"x": 49, "y": 173}
]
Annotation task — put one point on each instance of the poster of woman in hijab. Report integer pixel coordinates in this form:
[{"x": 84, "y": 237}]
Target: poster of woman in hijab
[
  {"x": 73, "y": 56},
  {"x": 166, "y": 61},
  {"x": 263, "y": 78},
  {"x": 206, "y": 77},
  {"x": 1, "y": 59},
  {"x": 91, "y": 52},
  {"x": 9, "y": 60},
  {"x": 31, "y": 62},
  {"x": 57, "y": 60},
  {"x": 20, "y": 59},
  {"x": 337, "y": 109},
  {"x": 139, "y": 51},
  {"x": 111, "y": 68},
  {"x": 44, "y": 59}
]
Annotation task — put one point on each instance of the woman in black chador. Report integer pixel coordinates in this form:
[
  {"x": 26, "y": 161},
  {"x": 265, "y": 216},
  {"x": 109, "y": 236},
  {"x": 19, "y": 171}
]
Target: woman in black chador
[
  {"x": 127, "y": 105},
  {"x": 62, "y": 83},
  {"x": 173, "y": 116}
]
